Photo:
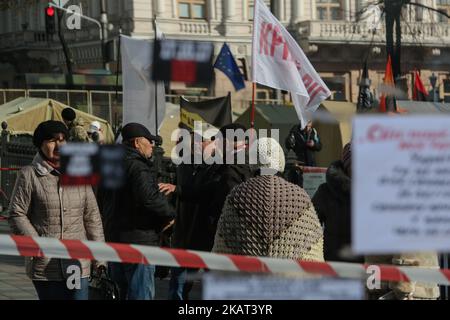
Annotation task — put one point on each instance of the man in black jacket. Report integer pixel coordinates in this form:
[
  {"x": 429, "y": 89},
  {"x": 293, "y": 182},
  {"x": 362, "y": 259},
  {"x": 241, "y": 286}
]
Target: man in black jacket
[
  {"x": 203, "y": 197},
  {"x": 139, "y": 212},
  {"x": 304, "y": 142}
]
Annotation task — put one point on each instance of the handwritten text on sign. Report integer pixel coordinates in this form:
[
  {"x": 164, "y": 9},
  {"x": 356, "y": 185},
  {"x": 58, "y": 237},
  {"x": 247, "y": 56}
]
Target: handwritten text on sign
[{"x": 401, "y": 184}]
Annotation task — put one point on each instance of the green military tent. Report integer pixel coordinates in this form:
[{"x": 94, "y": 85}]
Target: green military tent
[
  {"x": 332, "y": 120},
  {"x": 23, "y": 115}
]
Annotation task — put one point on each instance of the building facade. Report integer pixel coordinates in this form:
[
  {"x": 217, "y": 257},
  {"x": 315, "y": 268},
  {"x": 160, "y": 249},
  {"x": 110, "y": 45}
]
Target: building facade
[{"x": 328, "y": 31}]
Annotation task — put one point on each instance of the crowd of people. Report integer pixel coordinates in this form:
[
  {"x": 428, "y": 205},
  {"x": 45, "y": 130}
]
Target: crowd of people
[{"x": 225, "y": 208}]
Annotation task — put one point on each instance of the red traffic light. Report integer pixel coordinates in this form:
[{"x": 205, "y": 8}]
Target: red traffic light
[{"x": 50, "y": 11}]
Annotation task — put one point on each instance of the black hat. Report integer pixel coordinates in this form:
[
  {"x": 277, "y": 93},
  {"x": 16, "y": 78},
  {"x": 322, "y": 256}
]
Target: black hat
[
  {"x": 47, "y": 130},
  {"x": 136, "y": 130},
  {"x": 68, "y": 114}
]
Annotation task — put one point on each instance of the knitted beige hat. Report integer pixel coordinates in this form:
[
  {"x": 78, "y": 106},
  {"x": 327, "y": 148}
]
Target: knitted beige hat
[
  {"x": 268, "y": 216},
  {"x": 270, "y": 155}
]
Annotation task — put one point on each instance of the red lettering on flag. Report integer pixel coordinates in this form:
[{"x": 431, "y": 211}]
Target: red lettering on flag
[
  {"x": 314, "y": 94},
  {"x": 278, "y": 39},
  {"x": 263, "y": 39},
  {"x": 312, "y": 87}
]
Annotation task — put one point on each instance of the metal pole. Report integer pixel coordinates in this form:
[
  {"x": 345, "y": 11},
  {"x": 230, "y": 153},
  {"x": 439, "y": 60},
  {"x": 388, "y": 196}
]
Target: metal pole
[
  {"x": 119, "y": 57},
  {"x": 104, "y": 38},
  {"x": 156, "y": 82},
  {"x": 102, "y": 32}
]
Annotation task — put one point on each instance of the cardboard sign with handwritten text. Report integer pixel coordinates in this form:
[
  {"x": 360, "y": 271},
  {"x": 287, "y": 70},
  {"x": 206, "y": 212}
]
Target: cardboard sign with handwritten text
[{"x": 401, "y": 184}]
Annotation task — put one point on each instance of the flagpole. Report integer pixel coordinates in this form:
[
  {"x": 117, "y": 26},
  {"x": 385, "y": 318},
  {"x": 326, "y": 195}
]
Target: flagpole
[
  {"x": 156, "y": 82},
  {"x": 252, "y": 115}
]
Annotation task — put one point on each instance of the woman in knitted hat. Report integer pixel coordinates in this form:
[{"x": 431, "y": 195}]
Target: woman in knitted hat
[
  {"x": 268, "y": 216},
  {"x": 41, "y": 207}
]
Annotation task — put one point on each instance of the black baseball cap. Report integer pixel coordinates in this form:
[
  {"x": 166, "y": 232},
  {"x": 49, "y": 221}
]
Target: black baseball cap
[{"x": 135, "y": 130}]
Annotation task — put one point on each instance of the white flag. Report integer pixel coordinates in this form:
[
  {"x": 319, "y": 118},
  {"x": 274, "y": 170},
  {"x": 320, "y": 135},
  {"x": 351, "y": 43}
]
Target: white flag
[
  {"x": 279, "y": 62},
  {"x": 138, "y": 86}
]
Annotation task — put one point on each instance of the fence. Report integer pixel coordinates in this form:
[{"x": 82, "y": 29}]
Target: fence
[
  {"x": 105, "y": 104},
  {"x": 16, "y": 151}
]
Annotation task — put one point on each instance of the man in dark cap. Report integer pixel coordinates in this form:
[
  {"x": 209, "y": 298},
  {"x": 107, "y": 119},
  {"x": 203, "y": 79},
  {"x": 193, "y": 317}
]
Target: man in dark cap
[
  {"x": 140, "y": 212},
  {"x": 234, "y": 143},
  {"x": 207, "y": 190}
]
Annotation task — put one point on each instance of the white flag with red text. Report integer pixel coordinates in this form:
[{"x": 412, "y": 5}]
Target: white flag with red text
[{"x": 279, "y": 62}]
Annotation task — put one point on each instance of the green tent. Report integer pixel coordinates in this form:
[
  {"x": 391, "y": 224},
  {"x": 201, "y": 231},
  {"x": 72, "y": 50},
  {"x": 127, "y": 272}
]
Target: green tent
[
  {"x": 332, "y": 121},
  {"x": 23, "y": 115}
]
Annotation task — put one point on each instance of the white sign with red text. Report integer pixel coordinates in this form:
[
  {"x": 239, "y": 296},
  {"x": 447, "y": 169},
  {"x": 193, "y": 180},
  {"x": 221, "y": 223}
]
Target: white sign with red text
[
  {"x": 313, "y": 177},
  {"x": 279, "y": 62},
  {"x": 401, "y": 184}
]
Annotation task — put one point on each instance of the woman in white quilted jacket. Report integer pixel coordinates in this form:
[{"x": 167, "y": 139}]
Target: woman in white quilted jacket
[{"x": 41, "y": 207}]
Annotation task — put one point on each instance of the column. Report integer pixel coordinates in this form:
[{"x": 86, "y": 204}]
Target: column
[
  {"x": 159, "y": 8},
  {"x": 280, "y": 10},
  {"x": 297, "y": 8},
  {"x": 211, "y": 10},
  {"x": 229, "y": 9},
  {"x": 347, "y": 9},
  {"x": 434, "y": 15},
  {"x": 313, "y": 9}
]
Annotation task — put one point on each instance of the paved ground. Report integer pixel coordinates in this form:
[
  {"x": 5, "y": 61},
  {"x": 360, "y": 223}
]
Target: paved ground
[{"x": 15, "y": 285}]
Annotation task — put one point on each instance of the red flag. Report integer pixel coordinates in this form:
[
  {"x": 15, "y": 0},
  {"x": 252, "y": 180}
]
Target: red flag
[
  {"x": 419, "y": 92},
  {"x": 387, "y": 103}
]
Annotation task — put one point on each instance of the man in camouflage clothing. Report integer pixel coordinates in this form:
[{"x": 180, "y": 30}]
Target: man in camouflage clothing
[{"x": 77, "y": 132}]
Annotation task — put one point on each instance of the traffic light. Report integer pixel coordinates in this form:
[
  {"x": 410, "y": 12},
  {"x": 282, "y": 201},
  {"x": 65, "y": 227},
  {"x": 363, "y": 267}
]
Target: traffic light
[{"x": 50, "y": 25}]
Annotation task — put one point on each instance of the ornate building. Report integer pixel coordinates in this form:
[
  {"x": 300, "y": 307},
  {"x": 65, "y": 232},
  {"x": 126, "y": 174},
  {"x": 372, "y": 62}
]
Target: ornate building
[{"x": 327, "y": 30}]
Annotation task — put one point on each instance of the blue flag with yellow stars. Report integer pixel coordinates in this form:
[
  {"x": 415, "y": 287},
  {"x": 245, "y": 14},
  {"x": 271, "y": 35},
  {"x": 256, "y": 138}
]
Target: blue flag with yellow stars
[{"x": 225, "y": 62}]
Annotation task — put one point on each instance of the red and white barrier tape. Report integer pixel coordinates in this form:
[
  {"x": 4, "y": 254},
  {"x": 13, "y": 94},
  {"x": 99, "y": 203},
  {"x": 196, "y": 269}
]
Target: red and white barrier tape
[
  {"x": 9, "y": 169},
  {"x": 130, "y": 253}
]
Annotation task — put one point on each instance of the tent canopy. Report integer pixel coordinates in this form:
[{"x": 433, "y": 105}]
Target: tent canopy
[
  {"x": 23, "y": 115},
  {"x": 269, "y": 117},
  {"x": 332, "y": 121}
]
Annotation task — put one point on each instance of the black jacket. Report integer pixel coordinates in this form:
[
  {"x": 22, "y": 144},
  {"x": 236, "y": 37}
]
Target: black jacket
[
  {"x": 185, "y": 209},
  {"x": 138, "y": 206},
  {"x": 333, "y": 207},
  {"x": 202, "y": 198},
  {"x": 296, "y": 141},
  {"x": 193, "y": 225}
]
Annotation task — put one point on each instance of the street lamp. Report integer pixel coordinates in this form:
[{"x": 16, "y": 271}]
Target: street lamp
[{"x": 433, "y": 80}]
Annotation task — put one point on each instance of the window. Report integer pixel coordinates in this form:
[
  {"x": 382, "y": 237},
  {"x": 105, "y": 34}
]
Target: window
[
  {"x": 446, "y": 90},
  {"x": 329, "y": 9},
  {"x": 337, "y": 86},
  {"x": 192, "y": 9},
  {"x": 443, "y": 5}
]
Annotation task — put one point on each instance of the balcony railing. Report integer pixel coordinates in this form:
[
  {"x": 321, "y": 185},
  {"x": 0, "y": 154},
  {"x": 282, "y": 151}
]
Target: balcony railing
[
  {"x": 23, "y": 39},
  {"x": 413, "y": 33}
]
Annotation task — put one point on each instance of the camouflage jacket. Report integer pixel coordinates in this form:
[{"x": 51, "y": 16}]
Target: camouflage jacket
[{"x": 77, "y": 132}]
